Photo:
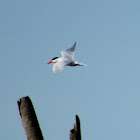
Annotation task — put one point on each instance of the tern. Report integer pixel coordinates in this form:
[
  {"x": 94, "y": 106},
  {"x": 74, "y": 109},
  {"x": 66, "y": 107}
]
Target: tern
[{"x": 67, "y": 59}]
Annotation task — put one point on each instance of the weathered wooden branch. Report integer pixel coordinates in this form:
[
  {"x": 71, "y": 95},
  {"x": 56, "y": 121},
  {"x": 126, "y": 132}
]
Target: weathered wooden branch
[
  {"x": 31, "y": 125},
  {"x": 29, "y": 119},
  {"x": 75, "y": 133}
]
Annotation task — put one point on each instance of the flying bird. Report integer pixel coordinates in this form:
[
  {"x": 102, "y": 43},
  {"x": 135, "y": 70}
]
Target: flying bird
[{"x": 67, "y": 59}]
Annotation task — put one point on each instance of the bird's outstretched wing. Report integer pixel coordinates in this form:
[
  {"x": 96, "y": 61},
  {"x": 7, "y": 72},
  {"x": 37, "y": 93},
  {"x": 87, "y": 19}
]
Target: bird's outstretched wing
[
  {"x": 59, "y": 66},
  {"x": 69, "y": 53}
]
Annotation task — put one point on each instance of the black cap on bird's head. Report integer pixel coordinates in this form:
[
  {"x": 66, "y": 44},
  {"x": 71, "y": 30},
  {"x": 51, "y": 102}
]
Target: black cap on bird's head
[{"x": 54, "y": 60}]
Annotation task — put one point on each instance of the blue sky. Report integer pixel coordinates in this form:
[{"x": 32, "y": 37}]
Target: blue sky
[{"x": 105, "y": 95}]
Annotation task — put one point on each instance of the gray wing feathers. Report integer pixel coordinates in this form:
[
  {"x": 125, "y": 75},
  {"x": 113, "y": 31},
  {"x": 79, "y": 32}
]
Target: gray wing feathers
[
  {"x": 72, "y": 48},
  {"x": 69, "y": 53}
]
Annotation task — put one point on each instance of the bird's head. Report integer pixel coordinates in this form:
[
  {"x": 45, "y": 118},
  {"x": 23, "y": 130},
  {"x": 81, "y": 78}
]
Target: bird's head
[{"x": 54, "y": 60}]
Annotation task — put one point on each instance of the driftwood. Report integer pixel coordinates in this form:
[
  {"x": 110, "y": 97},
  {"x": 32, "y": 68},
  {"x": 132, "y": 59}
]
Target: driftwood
[
  {"x": 31, "y": 125},
  {"x": 29, "y": 119}
]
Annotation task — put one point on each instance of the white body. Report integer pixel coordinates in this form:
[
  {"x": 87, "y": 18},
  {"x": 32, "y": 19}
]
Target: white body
[{"x": 67, "y": 59}]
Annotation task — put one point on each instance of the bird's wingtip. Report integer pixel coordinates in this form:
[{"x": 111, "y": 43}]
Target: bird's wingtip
[{"x": 75, "y": 43}]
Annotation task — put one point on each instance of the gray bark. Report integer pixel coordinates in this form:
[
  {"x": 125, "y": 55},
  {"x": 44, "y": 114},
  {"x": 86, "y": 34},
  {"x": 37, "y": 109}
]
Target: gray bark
[{"x": 29, "y": 119}]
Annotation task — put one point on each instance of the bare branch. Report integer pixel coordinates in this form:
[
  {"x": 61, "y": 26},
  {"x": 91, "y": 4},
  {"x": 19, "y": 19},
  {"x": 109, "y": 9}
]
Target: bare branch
[
  {"x": 75, "y": 133},
  {"x": 29, "y": 119}
]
